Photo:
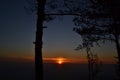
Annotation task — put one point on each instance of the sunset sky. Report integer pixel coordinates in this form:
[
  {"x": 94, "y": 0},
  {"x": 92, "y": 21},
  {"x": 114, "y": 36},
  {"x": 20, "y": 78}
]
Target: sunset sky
[{"x": 17, "y": 34}]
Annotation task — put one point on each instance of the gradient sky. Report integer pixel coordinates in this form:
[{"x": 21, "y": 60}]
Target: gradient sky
[{"x": 17, "y": 34}]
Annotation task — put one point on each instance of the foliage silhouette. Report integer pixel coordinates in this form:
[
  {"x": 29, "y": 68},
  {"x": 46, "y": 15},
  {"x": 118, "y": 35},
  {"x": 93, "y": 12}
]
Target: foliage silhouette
[{"x": 100, "y": 22}]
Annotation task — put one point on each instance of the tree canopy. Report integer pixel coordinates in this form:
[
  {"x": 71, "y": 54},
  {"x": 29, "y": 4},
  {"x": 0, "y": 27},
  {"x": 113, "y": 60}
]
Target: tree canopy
[{"x": 99, "y": 22}]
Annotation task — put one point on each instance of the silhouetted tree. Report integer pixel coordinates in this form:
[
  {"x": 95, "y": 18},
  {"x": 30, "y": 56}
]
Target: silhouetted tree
[
  {"x": 38, "y": 42},
  {"x": 93, "y": 61},
  {"x": 48, "y": 10},
  {"x": 100, "y": 22}
]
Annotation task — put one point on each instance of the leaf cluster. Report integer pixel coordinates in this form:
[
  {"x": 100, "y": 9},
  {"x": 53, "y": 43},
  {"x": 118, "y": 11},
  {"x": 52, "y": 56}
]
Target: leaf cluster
[{"x": 98, "y": 22}]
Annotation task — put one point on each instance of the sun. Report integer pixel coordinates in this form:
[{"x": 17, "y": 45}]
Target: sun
[{"x": 60, "y": 61}]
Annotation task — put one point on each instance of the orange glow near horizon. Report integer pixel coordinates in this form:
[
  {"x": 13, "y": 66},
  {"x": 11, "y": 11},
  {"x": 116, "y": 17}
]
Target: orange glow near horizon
[
  {"x": 61, "y": 60},
  {"x": 56, "y": 60}
]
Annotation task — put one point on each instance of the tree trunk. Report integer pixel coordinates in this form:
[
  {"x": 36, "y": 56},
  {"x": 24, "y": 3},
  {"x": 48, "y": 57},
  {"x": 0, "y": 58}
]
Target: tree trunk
[
  {"x": 118, "y": 52},
  {"x": 117, "y": 45},
  {"x": 89, "y": 64},
  {"x": 38, "y": 42}
]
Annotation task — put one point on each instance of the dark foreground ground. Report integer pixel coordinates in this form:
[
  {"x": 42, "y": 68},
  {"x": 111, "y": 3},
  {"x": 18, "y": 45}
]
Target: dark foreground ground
[{"x": 25, "y": 71}]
